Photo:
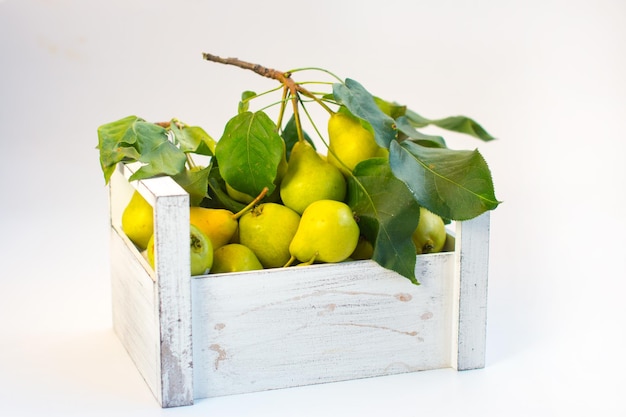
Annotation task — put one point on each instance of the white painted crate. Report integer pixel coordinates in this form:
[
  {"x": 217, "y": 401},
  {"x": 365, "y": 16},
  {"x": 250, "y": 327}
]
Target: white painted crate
[{"x": 234, "y": 333}]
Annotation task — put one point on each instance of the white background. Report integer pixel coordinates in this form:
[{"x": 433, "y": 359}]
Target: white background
[{"x": 545, "y": 77}]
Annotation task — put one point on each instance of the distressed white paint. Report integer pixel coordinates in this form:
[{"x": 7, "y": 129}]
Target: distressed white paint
[
  {"x": 287, "y": 327},
  {"x": 156, "y": 327},
  {"x": 472, "y": 267},
  {"x": 134, "y": 313},
  {"x": 298, "y": 326}
]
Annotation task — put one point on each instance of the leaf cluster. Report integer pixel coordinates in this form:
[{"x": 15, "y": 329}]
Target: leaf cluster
[
  {"x": 385, "y": 193},
  {"x": 161, "y": 148},
  {"x": 420, "y": 171}
]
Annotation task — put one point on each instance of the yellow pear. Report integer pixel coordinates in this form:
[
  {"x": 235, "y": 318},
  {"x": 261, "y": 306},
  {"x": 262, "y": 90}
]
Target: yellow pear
[
  {"x": 430, "y": 234},
  {"x": 310, "y": 178},
  {"x": 138, "y": 220},
  {"x": 220, "y": 225},
  {"x": 234, "y": 257},
  {"x": 349, "y": 142},
  {"x": 327, "y": 233},
  {"x": 268, "y": 229}
]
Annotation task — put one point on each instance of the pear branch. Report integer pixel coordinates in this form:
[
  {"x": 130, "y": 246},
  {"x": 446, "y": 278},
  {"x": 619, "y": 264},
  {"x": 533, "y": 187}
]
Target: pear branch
[{"x": 280, "y": 76}]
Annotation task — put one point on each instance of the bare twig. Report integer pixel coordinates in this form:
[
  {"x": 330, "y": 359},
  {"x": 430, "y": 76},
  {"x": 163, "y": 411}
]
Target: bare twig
[
  {"x": 259, "y": 69},
  {"x": 280, "y": 76}
]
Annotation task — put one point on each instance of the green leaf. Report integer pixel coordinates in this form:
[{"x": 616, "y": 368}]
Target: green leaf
[
  {"x": 133, "y": 139},
  {"x": 244, "y": 104},
  {"x": 218, "y": 197},
  {"x": 461, "y": 124},
  {"x": 196, "y": 182},
  {"x": 405, "y": 127},
  {"x": 159, "y": 155},
  {"x": 393, "y": 110},
  {"x": 112, "y": 146},
  {"x": 362, "y": 104},
  {"x": 249, "y": 152},
  {"x": 455, "y": 184},
  {"x": 388, "y": 214},
  {"x": 193, "y": 139}
]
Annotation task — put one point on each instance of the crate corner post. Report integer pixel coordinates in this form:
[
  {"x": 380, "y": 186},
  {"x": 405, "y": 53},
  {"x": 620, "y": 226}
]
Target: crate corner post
[
  {"x": 173, "y": 276},
  {"x": 152, "y": 310},
  {"x": 471, "y": 276}
]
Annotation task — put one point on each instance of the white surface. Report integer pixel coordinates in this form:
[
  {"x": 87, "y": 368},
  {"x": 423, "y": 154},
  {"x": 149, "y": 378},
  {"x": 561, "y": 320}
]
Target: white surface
[{"x": 545, "y": 77}]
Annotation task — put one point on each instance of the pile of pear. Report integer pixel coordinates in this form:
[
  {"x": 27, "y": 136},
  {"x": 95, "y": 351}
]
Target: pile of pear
[{"x": 305, "y": 221}]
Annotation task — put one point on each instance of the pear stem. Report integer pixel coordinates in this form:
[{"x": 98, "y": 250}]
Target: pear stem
[
  {"x": 316, "y": 69},
  {"x": 296, "y": 114},
  {"x": 310, "y": 261},
  {"x": 252, "y": 204},
  {"x": 290, "y": 261},
  {"x": 190, "y": 161},
  {"x": 283, "y": 105}
]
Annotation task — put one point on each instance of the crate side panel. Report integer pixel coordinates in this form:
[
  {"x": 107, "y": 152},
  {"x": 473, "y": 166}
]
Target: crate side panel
[
  {"x": 133, "y": 299},
  {"x": 282, "y": 328}
]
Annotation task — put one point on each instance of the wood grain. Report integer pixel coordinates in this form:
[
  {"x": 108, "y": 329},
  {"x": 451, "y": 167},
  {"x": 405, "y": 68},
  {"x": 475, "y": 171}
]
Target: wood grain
[{"x": 299, "y": 326}]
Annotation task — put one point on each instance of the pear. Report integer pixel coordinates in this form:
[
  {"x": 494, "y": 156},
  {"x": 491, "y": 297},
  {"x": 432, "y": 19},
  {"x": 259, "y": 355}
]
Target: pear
[
  {"x": 138, "y": 220},
  {"x": 201, "y": 256},
  {"x": 430, "y": 234},
  {"x": 310, "y": 178},
  {"x": 364, "y": 250},
  {"x": 349, "y": 142},
  {"x": 327, "y": 233},
  {"x": 238, "y": 195},
  {"x": 268, "y": 229},
  {"x": 220, "y": 225},
  {"x": 234, "y": 257}
]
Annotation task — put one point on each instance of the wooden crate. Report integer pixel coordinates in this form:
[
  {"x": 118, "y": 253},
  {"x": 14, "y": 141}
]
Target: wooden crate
[{"x": 234, "y": 333}]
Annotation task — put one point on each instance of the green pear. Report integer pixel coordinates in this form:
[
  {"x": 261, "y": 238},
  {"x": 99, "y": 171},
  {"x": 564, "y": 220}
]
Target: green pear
[
  {"x": 349, "y": 142},
  {"x": 234, "y": 257},
  {"x": 201, "y": 256},
  {"x": 310, "y": 178},
  {"x": 238, "y": 195},
  {"x": 138, "y": 220},
  {"x": 364, "y": 250},
  {"x": 430, "y": 234},
  {"x": 268, "y": 229},
  {"x": 327, "y": 233}
]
